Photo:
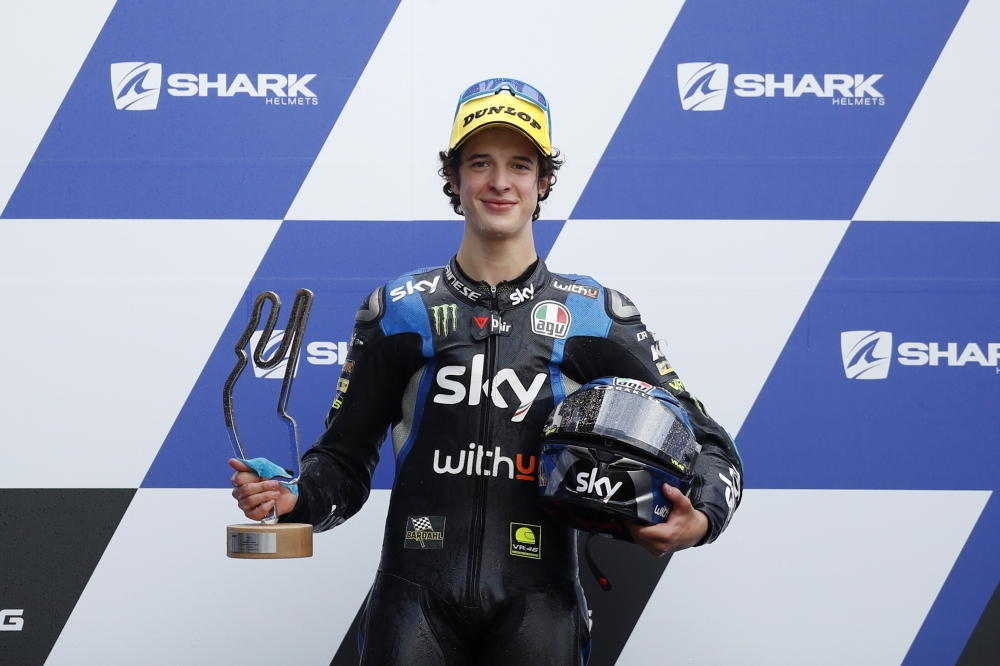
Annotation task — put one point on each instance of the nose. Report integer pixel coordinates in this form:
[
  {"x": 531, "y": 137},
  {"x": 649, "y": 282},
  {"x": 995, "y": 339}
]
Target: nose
[{"x": 499, "y": 180}]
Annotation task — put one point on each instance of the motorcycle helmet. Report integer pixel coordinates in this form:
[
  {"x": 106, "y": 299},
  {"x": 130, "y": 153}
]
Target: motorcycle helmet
[{"x": 607, "y": 450}]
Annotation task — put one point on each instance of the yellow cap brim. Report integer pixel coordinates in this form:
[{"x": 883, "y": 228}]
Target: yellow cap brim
[{"x": 502, "y": 109}]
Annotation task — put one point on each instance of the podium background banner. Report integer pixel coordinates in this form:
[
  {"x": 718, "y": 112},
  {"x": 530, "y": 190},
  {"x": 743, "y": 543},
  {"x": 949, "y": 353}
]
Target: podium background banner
[{"x": 801, "y": 198}]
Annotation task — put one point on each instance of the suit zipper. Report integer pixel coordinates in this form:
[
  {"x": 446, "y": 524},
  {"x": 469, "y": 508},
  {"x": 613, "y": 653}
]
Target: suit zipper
[{"x": 479, "y": 498}]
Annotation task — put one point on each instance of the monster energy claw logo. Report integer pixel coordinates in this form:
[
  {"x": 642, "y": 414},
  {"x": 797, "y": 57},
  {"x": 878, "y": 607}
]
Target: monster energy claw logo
[{"x": 445, "y": 318}]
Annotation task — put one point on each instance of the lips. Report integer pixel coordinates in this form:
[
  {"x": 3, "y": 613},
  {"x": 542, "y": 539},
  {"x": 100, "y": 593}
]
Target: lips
[{"x": 499, "y": 205}]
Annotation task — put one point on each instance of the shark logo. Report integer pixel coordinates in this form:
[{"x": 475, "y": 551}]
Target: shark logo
[
  {"x": 866, "y": 354},
  {"x": 136, "y": 85},
  {"x": 702, "y": 85}
]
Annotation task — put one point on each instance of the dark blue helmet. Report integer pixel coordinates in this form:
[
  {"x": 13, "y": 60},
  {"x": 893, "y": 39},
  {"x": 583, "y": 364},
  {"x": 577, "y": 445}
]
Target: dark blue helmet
[{"x": 607, "y": 450}]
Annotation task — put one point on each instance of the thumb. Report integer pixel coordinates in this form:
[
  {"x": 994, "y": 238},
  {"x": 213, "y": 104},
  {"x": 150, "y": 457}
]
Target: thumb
[
  {"x": 239, "y": 466},
  {"x": 679, "y": 499}
]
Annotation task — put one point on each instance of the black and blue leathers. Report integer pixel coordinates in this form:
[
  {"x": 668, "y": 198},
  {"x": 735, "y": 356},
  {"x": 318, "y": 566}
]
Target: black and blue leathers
[{"x": 465, "y": 376}]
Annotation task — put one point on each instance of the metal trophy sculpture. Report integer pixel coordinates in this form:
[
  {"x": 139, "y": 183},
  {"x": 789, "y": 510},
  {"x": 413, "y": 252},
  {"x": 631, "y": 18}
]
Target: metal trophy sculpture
[{"x": 270, "y": 539}]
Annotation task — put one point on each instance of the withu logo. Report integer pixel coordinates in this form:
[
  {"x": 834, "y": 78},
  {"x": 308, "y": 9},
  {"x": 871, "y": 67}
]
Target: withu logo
[
  {"x": 136, "y": 85},
  {"x": 702, "y": 85},
  {"x": 866, "y": 354}
]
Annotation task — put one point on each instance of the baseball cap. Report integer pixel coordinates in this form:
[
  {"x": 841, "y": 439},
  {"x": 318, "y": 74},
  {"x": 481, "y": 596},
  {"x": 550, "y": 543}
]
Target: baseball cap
[{"x": 508, "y": 102}]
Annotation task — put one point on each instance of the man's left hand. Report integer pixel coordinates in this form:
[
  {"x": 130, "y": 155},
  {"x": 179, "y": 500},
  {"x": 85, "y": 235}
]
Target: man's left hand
[{"x": 685, "y": 526}]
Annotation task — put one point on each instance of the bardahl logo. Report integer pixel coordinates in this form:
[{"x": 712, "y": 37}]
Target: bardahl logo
[
  {"x": 425, "y": 532},
  {"x": 582, "y": 289},
  {"x": 507, "y": 110},
  {"x": 526, "y": 540}
]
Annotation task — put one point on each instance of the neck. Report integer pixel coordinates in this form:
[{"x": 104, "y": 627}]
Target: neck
[{"x": 496, "y": 260}]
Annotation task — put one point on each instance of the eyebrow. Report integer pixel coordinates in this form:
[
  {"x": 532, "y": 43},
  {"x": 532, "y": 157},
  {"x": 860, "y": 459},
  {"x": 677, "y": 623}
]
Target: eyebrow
[{"x": 478, "y": 156}]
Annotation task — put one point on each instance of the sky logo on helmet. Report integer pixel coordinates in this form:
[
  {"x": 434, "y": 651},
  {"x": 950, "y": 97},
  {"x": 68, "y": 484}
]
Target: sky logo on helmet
[
  {"x": 551, "y": 319},
  {"x": 136, "y": 85},
  {"x": 866, "y": 354},
  {"x": 702, "y": 85}
]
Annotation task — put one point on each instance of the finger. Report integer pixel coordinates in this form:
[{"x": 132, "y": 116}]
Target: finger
[
  {"x": 260, "y": 512},
  {"x": 680, "y": 500},
  {"x": 252, "y": 502},
  {"x": 255, "y": 487}
]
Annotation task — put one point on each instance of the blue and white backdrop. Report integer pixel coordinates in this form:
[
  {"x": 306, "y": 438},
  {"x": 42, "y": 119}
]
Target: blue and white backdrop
[{"x": 802, "y": 198}]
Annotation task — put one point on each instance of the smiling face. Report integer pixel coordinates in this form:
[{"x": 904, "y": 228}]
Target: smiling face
[{"x": 498, "y": 183}]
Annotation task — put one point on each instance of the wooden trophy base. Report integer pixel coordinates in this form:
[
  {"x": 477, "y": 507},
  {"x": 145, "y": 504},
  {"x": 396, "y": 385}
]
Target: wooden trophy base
[{"x": 256, "y": 541}]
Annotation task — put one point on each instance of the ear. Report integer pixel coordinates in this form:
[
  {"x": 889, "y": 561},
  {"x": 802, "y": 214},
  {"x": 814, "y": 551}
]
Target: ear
[{"x": 543, "y": 186}]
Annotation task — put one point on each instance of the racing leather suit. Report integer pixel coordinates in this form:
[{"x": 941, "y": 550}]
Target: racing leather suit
[{"x": 466, "y": 376}]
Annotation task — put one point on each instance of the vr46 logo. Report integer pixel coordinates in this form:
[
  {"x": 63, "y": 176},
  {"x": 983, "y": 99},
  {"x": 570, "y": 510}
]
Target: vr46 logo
[{"x": 456, "y": 391}]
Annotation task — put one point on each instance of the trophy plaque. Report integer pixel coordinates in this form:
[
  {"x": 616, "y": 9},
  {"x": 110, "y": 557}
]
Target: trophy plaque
[{"x": 270, "y": 539}]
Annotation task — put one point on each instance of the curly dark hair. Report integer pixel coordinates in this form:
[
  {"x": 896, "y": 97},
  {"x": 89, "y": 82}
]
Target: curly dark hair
[{"x": 548, "y": 166}]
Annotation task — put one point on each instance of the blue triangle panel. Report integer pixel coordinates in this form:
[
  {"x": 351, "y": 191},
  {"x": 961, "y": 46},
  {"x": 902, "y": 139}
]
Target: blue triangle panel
[
  {"x": 890, "y": 381},
  {"x": 341, "y": 262},
  {"x": 966, "y": 592},
  {"x": 135, "y": 137},
  {"x": 733, "y": 156},
  {"x": 929, "y": 290}
]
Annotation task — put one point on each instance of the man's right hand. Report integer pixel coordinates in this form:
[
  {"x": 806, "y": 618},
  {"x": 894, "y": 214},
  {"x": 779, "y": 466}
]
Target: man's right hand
[{"x": 256, "y": 496}]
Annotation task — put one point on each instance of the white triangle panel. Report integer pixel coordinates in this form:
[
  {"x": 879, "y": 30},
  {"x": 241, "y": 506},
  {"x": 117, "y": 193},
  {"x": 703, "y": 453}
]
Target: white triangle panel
[
  {"x": 945, "y": 162},
  {"x": 108, "y": 324},
  {"x": 165, "y": 592},
  {"x": 723, "y": 294},
  {"x": 820, "y": 577},
  {"x": 43, "y": 44},
  {"x": 380, "y": 161}
]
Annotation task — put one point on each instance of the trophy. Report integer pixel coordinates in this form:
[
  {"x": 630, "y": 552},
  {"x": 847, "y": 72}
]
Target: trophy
[{"x": 270, "y": 539}]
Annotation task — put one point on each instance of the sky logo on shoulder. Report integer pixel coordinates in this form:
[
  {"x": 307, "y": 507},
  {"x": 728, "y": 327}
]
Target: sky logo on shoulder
[
  {"x": 702, "y": 85},
  {"x": 526, "y": 540},
  {"x": 866, "y": 354},
  {"x": 136, "y": 85}
]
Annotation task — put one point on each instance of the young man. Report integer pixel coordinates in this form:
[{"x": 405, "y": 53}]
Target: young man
[{"x": 465, "y": 362}]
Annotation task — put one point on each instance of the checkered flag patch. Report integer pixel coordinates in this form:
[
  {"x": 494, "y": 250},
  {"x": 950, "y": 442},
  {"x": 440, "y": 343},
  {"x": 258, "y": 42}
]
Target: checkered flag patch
[{"x": 421, "y": 524}]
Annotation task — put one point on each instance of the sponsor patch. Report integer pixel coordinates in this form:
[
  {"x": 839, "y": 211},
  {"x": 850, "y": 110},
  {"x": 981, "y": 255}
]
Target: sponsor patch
[
  {"x": 551, "y": 319},
  {"x": 445, "y": 318},
  {"x": 486, "y": 323},
  {"x": 424, "y": 532},
  {"x": 582, "y": 289},
  {"x": 663, "y": 367},
  {"x": 526, "y": 540}
]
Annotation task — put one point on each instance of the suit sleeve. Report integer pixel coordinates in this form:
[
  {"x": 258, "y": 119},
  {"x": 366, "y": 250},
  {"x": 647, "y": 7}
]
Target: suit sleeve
[
  {"x": 629, "y": 350},
  {"x": 337, "y": 470}
]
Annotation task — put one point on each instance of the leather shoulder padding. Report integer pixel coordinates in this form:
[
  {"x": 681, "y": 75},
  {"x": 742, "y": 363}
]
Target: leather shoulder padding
[
  {"x": 371, "y": 309},
  {"x": 619, "y": 306}
]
